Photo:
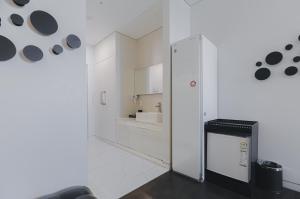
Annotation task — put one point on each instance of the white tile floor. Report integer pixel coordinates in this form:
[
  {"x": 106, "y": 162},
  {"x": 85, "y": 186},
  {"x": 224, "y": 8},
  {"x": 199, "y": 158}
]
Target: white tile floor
[{"x": 114, "y": 172}]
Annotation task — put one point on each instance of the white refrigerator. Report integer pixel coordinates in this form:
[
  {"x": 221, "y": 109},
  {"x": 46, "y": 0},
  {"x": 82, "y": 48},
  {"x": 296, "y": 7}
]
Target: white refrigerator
[{"x": 194, "y": 101}]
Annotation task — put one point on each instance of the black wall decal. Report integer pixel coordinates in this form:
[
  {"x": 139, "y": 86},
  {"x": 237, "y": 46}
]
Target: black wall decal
[
  {"x": 43, "y": 22},
  {"x": 296, "y": 59},
  {"x": 262, "y": 74},
  {"x": 73, "y": 41},
  {"x": 258, "y": 64},
  {"x": 7, "y": 49},
  {"x": 289, "y": 47},
  {"x": 274, "y": 58},
  {"x": 21, "y": 2},
  {"x": 33, "y": 53},
  {"x": 57, "y": 49},
  {"x": 290, "y": 71},
  {"x": 17, "y": 19}
]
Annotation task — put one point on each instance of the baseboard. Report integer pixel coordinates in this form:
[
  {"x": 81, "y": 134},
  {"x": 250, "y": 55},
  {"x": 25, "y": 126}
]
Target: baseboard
[
  {"x": 141, "y": 155},
  {"x": 228, "y": 183},
  {"x": 291, "y": 186},
  {"x": 291, "y": 178}
]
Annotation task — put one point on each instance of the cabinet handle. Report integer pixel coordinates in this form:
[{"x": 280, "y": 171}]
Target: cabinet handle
[{"x": 103, "y": 98}]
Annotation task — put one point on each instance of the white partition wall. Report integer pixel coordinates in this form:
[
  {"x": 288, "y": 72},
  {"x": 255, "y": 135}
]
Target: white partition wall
[
  {"x": 43, "y": 118},
  {"x": 194, "y": 101},
  {"x": 176, "y": 26}
]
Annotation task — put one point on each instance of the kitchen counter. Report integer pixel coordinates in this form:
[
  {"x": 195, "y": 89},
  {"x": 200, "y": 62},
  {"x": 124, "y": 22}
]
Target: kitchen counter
[{"x": 143, "y": 125}]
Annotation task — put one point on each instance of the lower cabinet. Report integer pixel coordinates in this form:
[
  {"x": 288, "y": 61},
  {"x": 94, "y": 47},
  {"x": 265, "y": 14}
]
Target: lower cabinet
[{"x": 147, "y": 139}]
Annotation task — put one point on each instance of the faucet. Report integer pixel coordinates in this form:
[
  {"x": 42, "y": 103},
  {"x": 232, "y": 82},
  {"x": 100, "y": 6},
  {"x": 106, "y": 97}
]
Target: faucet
[{"x": 159, "y": 107}]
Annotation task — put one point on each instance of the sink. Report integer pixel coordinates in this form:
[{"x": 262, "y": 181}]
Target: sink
[{"x": 149, "y": 117}]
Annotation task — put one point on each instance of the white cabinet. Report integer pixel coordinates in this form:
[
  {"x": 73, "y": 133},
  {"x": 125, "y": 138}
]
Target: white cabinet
[
  {"x": 142, "y": 137},
  {"x": 194, "y": 101},
  {"x": 105, "y": 100}
]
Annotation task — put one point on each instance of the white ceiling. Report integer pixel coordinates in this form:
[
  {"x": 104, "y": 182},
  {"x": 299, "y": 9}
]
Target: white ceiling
[
  {"x": 134, "y": 18},
  {"x": 192, "y": 2}
]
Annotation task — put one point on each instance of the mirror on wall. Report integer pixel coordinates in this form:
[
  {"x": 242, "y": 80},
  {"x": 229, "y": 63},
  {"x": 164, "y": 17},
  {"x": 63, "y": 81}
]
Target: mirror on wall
[{"x": 149, "y": 80}]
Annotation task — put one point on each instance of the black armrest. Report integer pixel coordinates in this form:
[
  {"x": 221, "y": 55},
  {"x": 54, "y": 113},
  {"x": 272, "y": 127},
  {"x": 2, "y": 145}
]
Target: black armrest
[
  {"x": 86, "y": 197},
  {"x": 78, "y": 192}
]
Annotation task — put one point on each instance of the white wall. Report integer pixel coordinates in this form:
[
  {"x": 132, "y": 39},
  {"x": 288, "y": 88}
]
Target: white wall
[
  {"x": 149, "y": 53},
  {"x": 179, "y": 20},
  {"x": 90, "y": 55},
  {"x": 127, "y": 62},
  {"x": 43, "y": 119},
  {"x": 90, "y": 61},
  {"x": 245, "y": 31},
  {"x": 148, "y": 102},
  {"x": 177, "y": 26}
]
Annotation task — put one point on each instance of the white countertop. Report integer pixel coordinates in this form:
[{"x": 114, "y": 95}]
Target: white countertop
[{"x": 144, "y": 125}]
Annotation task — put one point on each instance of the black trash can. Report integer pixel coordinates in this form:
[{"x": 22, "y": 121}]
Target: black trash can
[{"x": 268, "y": 176}]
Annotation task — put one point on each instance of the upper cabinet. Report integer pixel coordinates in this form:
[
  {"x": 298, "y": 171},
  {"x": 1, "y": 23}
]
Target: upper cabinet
[{"x": 149, "y": 80}]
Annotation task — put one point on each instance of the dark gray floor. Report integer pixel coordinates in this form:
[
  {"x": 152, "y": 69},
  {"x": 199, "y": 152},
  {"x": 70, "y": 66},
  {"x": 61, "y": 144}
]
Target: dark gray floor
[{"x": 174, "y": 186}]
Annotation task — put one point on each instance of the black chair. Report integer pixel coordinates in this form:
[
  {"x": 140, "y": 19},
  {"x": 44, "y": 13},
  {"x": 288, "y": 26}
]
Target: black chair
[{"x": 78, "y": 192}]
